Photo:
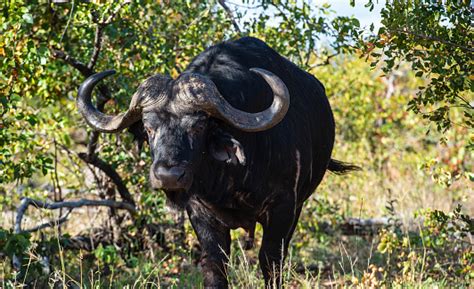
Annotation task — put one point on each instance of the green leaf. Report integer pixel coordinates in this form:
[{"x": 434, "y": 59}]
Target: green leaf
[{"x": 28, "y": 18}]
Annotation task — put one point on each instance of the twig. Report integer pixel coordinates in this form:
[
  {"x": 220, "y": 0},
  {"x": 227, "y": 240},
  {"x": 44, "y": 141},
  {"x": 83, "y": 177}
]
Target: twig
[
  {"x": 99, "y": 31},
  {"x": 230, "y": 15},
  {"x": 58, "y": 194},
  {"x": 68, "y": 22},
  {"x": 114, "y": 13},
  {"x": 97, "y": 45},
  {"x": 326, "y": 61},
  {"x": 433, "y": 38}
]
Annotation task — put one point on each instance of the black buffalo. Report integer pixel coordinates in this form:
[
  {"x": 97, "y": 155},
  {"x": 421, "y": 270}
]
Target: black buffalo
[{"x": 241, "y": 136}]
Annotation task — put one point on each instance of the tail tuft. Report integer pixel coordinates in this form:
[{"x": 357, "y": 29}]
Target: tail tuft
[{"x": 341, "y": 168}]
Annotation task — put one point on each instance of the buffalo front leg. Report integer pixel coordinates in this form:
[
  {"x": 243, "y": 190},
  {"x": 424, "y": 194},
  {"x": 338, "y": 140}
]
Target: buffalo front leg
[
  {"x": 214, "y": 239},
  {"x": 278, "y": 229}
]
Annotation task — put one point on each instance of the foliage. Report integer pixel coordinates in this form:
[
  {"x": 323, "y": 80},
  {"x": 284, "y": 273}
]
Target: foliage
[
  {"x": 436, "y": 39},
  {"x": 441, "y": 249},
  {"x": 13, "y": 244}
]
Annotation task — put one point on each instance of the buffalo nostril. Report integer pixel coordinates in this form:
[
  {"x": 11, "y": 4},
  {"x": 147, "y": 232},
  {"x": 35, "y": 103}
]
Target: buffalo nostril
[{"x": 170, "y": 177}]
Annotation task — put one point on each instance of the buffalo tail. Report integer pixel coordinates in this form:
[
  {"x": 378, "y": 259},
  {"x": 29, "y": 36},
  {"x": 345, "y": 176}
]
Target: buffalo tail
[{"x": 341, "y": 168}]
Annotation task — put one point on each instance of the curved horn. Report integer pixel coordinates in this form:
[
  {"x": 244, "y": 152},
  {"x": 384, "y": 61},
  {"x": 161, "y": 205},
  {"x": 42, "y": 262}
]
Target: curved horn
[
  {"x": 253, "y": 122},
  {"x": 98, "y": 120}
]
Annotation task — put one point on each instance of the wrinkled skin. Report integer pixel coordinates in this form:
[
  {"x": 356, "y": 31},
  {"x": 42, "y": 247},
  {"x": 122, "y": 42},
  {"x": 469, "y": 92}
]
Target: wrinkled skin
[{"x": 226, "y": 178}]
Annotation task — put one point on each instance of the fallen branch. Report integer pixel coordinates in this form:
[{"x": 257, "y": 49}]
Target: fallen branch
[
  {"x": 50, "y": 224},
  {"x": 356, "y": 226},
  {"x": 26, "y": 202}
]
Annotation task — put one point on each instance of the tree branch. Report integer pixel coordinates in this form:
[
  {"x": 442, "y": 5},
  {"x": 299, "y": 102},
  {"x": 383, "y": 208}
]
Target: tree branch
[
  {"x": 111, "y": 173},
  {"x": 97, "y": 45},
  {"x": 84, "y": 70},
  {"x": 230, "y": 15}
]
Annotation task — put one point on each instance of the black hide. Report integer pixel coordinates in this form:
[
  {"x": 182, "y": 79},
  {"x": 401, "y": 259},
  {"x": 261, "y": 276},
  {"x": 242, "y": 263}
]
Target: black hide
[{"x": 282, "y": 167}]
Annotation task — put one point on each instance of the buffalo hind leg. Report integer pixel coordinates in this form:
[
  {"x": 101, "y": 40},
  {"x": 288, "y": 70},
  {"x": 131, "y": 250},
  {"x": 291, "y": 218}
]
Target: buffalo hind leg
[
  {"x": 215, "y": 241},
  {"x": 277, "y": 232}
]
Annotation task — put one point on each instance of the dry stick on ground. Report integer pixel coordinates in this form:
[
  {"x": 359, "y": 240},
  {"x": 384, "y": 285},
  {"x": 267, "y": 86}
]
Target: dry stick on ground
[
  {"x": 26, "y": 202},
  {"x": 356, "y": 226},
  {"x": 50, "y": 224}
]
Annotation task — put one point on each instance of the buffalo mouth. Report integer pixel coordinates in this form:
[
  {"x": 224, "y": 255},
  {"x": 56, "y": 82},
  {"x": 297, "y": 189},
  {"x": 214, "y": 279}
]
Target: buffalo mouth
[{"x": 177, "y": 198}]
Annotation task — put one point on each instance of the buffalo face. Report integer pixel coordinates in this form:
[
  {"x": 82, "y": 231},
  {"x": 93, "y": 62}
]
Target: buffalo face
[{"x": 177, "y": 144}]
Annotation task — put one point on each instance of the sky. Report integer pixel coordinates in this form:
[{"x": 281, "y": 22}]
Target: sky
[
  {"x": 341, "y": 8},
  {"x": 366, "y": 17}
]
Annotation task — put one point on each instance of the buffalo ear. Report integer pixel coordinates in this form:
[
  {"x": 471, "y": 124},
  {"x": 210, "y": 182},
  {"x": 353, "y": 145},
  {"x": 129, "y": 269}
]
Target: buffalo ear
[
  {"x": 139, "y": 134},
  {"x": 224, "y": 147}
]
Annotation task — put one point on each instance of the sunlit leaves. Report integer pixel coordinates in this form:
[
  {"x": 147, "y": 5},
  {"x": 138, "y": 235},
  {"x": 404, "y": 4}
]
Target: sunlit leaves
[{"x": 436, "y": 38}]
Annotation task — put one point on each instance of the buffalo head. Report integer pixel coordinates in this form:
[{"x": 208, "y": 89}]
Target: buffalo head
[{"x": 176, "y": 116}]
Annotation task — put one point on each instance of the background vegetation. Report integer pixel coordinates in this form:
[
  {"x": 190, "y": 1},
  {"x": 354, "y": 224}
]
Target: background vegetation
[{"x": 403, "y": 102}]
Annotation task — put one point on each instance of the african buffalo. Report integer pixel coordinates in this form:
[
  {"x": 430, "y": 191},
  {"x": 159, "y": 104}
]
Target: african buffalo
[{"x": 241, "y": 136}]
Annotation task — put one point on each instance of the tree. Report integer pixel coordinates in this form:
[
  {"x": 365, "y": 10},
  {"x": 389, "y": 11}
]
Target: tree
[{"x": 436, "y": 39}]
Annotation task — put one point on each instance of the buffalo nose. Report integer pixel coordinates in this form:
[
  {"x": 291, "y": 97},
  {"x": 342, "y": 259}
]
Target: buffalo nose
[{"x": 170, "y": 177}]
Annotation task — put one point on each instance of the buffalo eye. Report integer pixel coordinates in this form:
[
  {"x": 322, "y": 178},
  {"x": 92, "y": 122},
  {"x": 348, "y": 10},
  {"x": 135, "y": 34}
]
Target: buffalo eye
[
  {"x": 149, "y": 131},
  {"x": 197, "y": 129}
]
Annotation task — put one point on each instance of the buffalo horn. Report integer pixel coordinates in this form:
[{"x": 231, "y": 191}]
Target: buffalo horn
[
  {"x": 216, "y": 105},
  {"x": 98, "y": 120}
]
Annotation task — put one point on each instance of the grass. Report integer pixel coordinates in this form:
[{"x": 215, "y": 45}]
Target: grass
[{"x": 329, "y": 261}]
